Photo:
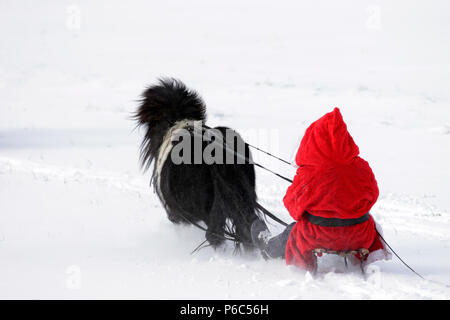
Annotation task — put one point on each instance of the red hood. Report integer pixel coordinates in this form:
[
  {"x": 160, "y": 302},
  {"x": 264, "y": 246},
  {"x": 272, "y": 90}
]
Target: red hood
[
  {"x": 332, "y": 181},
  {"x": 327, "y": 142}
]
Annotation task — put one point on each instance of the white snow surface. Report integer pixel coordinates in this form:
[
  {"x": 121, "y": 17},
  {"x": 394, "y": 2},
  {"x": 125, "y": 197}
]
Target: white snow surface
[{"x": 77, "y": 216}]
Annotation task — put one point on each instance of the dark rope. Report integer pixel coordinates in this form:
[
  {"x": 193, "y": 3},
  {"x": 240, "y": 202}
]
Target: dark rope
[
  {"x": 263, "y": 151},
  {"x": 404, "y": 263},
  {"x": 269, "y": 154},
  {"x": 200, "y": 246},
  {"x": 240, "y": 156},
  {"x": 273, "y": 172},
  {"x": 271, "y": 215}
]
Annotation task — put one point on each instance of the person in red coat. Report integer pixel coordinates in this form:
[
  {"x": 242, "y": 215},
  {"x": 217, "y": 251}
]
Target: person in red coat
[{"x": 330, "y": 199}]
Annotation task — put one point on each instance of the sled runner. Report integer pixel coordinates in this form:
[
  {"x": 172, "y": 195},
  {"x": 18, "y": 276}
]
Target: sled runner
[{"x": 363, "y": 252}]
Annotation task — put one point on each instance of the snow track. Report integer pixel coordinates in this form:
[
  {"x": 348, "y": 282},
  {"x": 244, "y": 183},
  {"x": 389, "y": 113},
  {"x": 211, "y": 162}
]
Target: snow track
[{"x": 43, "y": 172}]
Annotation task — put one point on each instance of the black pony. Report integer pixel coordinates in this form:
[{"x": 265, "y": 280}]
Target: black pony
[{"x": 222, "y": 195}]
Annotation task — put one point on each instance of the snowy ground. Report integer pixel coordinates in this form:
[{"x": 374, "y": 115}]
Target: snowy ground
[{"x": 77, "y": 217}]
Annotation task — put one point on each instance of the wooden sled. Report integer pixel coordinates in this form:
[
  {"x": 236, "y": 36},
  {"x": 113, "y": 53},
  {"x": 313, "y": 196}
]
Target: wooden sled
[{"x": 362, "y": 251}]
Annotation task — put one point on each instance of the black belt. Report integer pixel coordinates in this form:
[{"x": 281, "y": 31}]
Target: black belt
[{"x": 336, "y": 222}]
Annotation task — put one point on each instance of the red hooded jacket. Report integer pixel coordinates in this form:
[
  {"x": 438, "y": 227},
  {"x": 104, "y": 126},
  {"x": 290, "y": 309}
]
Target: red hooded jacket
[{"x": 332, "y": 181}]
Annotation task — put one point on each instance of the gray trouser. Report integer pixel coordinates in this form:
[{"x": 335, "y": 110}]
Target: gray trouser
[{"x": 276, "y": 246}]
